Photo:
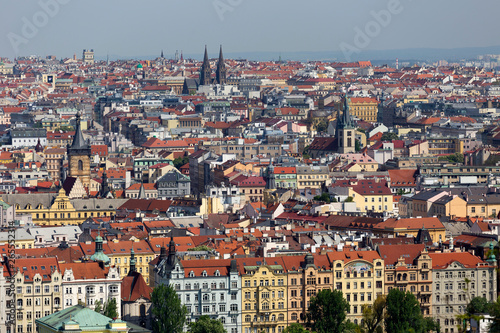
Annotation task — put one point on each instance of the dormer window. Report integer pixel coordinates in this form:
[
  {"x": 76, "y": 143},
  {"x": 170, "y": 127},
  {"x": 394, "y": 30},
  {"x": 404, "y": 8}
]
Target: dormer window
[
  {"x": 191, "y": 274},
  {"x": 217, "y": 273},
  {"x": 204, "y": 273}
]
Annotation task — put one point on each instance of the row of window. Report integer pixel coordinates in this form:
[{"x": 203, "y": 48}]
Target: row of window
[
  {"x": 213, "y": 308},
  {"x": 264, "y": 318},
  {"x": 266, "y": 282},
  {"x": 37, "y": 289},
  {"x": 90, "y": 289},
  {"x": 38, "y": 301}
]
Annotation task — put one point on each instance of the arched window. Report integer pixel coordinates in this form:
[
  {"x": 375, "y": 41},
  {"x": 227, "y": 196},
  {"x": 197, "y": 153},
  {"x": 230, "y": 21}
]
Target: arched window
[
  {"x": 281, "y": 317},
  {"x": 142, "y": 310},
  {"x": 294, "y": 316},
  {"x": 273, "y": 318},
  {"x": 248, "y": 318},
  {"x": 80, "y": 165}
]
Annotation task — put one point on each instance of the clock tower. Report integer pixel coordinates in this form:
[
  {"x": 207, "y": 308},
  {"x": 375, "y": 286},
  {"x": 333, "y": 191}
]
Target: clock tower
[{"x": 79, "y": 156}]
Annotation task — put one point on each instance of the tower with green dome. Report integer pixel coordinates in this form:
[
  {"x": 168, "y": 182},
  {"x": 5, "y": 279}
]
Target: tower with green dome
[{"x": 99, "y": 255}]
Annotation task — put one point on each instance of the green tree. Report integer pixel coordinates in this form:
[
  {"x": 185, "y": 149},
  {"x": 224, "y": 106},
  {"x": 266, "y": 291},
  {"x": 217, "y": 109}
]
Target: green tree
[
  {"x": 495, "y": 314},
  {"x": 349, "y": 199},
  {"x": 327, "y": 312},
  {"x": 169, "y": 315},
  {"x": 373, "y": 315},
  {"x": 295, "y": 328},
  {"x": 180, "y": 161},
  {"x": 431, "y": 325},
  {"x": 205, "y": 324},
  {"x": 98, "y": 306},
  {"x": 325, "y": 197},
  {"x": 453, "y": 158},
  {"x": 474, "y": 310},
  {"x": 110, "y": 309},
  {"x": 403, "y": 312},
  {"x": 388, "y": 136},
  {"x": 478, "y": 305},
  {"x": 322, "y": 126},
  {"x": 200, "y": 248},
  {"x": 357, "y": 145}
]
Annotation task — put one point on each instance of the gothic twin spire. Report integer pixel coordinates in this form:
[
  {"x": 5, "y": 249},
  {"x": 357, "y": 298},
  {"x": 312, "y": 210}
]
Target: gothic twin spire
[{"x": 206, "y": 71}]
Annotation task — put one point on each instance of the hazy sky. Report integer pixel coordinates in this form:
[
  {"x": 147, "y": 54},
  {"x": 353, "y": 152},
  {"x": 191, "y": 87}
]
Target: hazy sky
[{"x": 129, "y": 28}]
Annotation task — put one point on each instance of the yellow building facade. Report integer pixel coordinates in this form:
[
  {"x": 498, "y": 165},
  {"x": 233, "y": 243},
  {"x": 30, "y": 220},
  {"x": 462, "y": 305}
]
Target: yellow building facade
[
  {"x": 57, "y": 209},
  {"x": 264, "y": 296},
  {"x": 364, "y": 108}
]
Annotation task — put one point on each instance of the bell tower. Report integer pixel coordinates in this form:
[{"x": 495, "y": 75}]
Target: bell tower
[
  {"x": 205, "y": 71},
  {"x": 79, "y": 156},
  {"x": 220, "y": 74},
  {"x": 346, "y": 131}
]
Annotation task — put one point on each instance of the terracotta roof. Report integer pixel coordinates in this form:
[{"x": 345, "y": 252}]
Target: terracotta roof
[
  {"x": 391, "y": 253},
  {"x": 29, "y": 268},
  {"x": 411, "y": 223},
  {"x": 347, "y": 255},
  {"x": 443, "y": 260},
  {"x": 134, "y": 287},
  {"x": 86, "y": 270}
]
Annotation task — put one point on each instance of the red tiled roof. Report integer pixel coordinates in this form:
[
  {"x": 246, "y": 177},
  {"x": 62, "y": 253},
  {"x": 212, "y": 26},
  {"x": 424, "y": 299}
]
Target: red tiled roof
[{"x": 443, "y": 260}]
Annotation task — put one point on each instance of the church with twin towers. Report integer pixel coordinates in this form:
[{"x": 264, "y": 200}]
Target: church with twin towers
[{"x": 206, "y": 71}]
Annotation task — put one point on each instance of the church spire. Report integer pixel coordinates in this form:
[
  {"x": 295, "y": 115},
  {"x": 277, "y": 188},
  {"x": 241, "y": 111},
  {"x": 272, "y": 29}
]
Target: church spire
[
  {"x": 142, "y": 192},
  {"x": 161, "y": 54},
  {"x": 205, "y": 70},
  {"x": 221, "y": 69},
  {"x": 78, "y": 141},
  {"x": 171, "y": 251}
]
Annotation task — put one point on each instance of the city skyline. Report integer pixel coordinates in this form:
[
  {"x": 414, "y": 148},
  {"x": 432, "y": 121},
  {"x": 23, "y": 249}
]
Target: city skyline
[{"x": 346, "y": 30}]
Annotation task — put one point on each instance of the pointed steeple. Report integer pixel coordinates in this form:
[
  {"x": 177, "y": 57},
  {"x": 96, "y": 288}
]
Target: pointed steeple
[
  {"x": 39, "y": 147},
  {"x": 132, "y": 260},
  {"x": 205, "y": 70},
  {"x": 221, "y": 69},
  {"x": 104, "y": 185},
  {"x": 78, "y": 141},
  {"x": 161, "y": 54},
  {"x": 142, "y": 192},
  {"x": 171, "y": 252}
]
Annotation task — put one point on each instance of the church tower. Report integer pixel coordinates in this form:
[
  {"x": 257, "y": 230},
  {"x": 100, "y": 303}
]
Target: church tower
[
  {"x": 221, "y": 69},
  {"x": 346, "y": 130},
  {"x": 79, "y": 156},
  {"x": 205, "y": 71}
]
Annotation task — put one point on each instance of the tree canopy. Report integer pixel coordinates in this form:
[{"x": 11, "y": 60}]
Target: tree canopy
[
  {"x": 169, "y": 315},
  {"x": 205, "y": 324},
  {"x": 327, "y": 312},
  {"x": 373, "y": 315},
  {"x": 453, "y": 158},
  {"x": 388, "y": 136},
  {"x": 403, "y": 312},
  {"x": 180, "y": 161},
  {"x": 295, "y": 328},
  {"x": 325, "y": 197},
  {"x": 110, "y": 309}
]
